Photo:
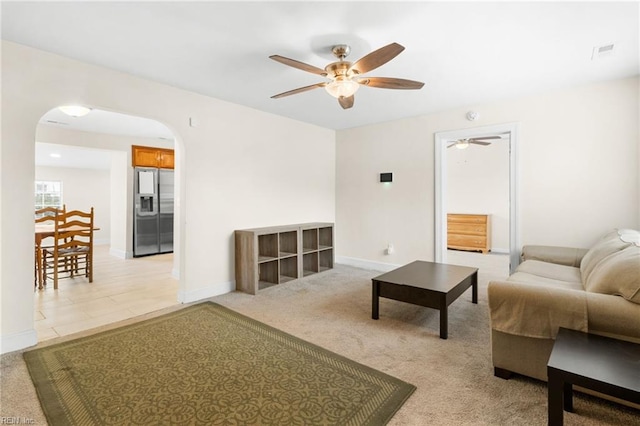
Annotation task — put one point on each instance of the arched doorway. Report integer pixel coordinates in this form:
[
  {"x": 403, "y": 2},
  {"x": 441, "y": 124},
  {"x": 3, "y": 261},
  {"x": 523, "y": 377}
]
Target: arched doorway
[{"x": 93, "y": 158}]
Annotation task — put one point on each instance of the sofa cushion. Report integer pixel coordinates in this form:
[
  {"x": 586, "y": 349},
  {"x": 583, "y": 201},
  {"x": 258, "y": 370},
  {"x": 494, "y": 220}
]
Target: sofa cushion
[
  {"x": 613, "y": 316},
  {"x": 551, "y": 270},
  {"x": 610, "y": 243},
  {"x": 617, "y": 274}
]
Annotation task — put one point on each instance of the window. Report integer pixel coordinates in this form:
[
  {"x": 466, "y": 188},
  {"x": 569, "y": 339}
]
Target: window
[{"x": 48, "y": 194}]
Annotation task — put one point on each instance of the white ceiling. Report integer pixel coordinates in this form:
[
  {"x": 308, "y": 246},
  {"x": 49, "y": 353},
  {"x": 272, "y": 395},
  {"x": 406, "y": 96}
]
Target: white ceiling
[
  {"x": 56, "y": 155},
  {"x": 466, "y": 53}
]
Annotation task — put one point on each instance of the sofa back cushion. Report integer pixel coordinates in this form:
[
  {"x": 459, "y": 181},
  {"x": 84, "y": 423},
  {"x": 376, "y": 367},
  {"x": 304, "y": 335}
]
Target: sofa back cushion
[
  {"x": 617, "y": 274},
  {"x": 610, "y": 243}
]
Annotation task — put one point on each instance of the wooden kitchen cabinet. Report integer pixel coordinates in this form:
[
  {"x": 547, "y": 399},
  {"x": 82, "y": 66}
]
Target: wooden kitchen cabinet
[
  {"x": 149, "y": 156},
  {"x": 470, "y": 232}
]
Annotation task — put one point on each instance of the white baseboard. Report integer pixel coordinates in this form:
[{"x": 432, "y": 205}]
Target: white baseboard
[
  {"x": 17, "y": 341},
  {"x": 367, "y": 264},
  {"x": 206, "y": 292},
  {"x": 499, "y": 250}
]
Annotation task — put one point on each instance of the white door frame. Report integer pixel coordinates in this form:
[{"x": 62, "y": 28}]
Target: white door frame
[{"x": 441, "y": 140}]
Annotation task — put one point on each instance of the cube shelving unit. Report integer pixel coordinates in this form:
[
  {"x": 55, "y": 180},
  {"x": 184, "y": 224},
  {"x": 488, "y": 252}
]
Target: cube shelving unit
[{"x": 269, "y": 256}]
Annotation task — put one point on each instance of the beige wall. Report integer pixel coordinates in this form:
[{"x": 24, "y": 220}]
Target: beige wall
[
  {"x": 83, "y": 189},
  {"x": 239, "y": 168},
  {"x": 578, "y": 171}
]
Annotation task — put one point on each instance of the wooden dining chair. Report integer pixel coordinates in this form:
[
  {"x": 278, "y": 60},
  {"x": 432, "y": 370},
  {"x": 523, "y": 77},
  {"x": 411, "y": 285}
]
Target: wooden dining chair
[
  {"x": 72, "y": 251},
  {"x": 46, "y": 215}
]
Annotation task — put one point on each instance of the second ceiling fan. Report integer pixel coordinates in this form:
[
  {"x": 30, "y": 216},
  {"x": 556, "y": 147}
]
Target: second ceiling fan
[
  {"x": 345, "y": 77},
  {"x": 464, "y": 143}
]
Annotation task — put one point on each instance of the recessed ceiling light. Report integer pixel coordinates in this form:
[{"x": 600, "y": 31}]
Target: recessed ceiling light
[
  {"x": 55, "y": 155},
  {"x": 75, "y": 110}
]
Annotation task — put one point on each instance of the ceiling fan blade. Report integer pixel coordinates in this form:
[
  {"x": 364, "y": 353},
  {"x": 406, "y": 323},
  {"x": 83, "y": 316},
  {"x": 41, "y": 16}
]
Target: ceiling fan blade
[
  {"x": 300, "y": 65},
  {"x": 485, "y": 138},
  {"x": 479, "y": 142},
  {"x": 377, "y": 58},
  {"x": 298, "y": 90},
  {"x": 346, "y": 102},
  {"x": 391, "y": 83}
]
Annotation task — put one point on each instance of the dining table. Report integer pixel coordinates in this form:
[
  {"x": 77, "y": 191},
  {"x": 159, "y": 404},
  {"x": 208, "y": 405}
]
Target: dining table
[{"x": 42, "y": 231}]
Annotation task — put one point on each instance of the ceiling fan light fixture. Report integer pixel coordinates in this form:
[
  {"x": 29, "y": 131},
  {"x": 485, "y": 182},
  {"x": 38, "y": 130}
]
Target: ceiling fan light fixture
[
  {"x": 342, "y": 87},
  {"x": 462, "y": 144},
  {"x": 75, "y": 110}
]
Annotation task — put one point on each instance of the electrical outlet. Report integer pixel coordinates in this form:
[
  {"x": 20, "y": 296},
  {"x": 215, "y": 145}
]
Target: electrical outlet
[{"x": 390, "y": 249}]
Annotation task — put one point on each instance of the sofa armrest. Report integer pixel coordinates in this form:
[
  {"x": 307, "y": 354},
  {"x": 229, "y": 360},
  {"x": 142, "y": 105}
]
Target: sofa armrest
[
  {"x": 568, "y": 256},
  {"x": 534, "y": 310}
]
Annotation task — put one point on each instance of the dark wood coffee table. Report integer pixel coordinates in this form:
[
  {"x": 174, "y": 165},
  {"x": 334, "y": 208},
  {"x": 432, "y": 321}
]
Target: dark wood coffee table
[
  {"x": 434, "y": 285},
  {"x": 602, "y": 364}
]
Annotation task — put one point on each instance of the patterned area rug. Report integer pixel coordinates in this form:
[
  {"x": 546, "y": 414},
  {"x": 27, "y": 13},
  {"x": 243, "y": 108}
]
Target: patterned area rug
[{"x": 206, "y": 364}]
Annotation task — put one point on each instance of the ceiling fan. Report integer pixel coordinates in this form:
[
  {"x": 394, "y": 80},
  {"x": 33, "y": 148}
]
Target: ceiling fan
[
  {"x": 464, "y": 143},
  {"x": 345, "y": 77}
]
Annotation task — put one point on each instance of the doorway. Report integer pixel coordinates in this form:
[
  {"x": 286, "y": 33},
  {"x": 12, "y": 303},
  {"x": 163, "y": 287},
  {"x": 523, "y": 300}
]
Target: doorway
[
  {"x": 509, "y": 132},
  {"x": 91, "y": 158}
]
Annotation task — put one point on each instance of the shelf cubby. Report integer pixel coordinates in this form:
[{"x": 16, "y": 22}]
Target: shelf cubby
[
  {"x": 325, "y": 237},
  {"x": 288, "y": 269},
  {"x": 268, "y": 274},
  {"x": 288, "y": 244},
  {"x": 310, "y": 240},
  {"x": 267, "y": 247},
  {"x": 325, "y": 259},
  {"x": 310, "y": 263}
]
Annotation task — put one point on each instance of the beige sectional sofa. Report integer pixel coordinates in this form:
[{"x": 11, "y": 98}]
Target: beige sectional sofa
[{"x": 595, "y": 290}]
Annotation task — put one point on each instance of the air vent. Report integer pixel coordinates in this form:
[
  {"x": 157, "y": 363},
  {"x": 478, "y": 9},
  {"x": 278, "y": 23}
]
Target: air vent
[{"x": 603, "y": 51}]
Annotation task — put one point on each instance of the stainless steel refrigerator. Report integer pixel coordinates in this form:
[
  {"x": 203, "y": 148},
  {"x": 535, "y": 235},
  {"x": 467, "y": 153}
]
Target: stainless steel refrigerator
[{"x": 153, "y": 211}]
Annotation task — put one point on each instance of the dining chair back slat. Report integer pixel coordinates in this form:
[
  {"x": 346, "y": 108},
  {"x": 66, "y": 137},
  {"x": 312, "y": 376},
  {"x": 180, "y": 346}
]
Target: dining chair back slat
[{"x": 47, "y": 214}]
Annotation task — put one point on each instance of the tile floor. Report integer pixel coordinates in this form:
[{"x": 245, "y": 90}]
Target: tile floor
[{"x": 121, "y": 289}]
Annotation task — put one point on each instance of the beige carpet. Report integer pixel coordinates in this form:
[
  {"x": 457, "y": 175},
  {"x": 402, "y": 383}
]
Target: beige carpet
[{"x": 454, "y": 377}]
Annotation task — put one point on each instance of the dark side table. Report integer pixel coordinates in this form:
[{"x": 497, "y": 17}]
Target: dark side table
[{"x": 602, "y": 364}]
